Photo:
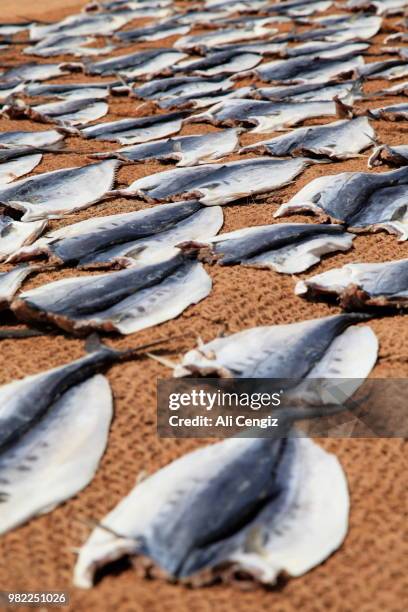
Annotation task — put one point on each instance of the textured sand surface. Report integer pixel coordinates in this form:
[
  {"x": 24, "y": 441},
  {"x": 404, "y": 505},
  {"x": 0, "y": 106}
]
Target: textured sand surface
[{"x": 369, "y": 572}]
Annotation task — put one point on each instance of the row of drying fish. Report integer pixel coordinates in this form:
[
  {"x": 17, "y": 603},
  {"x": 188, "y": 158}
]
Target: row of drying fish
[{"x": 308, "y": 484}]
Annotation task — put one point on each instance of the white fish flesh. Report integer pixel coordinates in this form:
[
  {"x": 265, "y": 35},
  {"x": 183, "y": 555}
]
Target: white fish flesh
[
  {"x": 124, "y": 301},
  {"x": 10, "y": 283},
  {"x": 217, "y": 184},
  {"x": 134, "y": 131},
  {"x": 57, "y": 193},
  {"x": 185, "y": 150},
  {"x": 67, "y": 45},
  {"x": 123, "y": 239},
  {"x": 65, "y": 408},
  {"x": 14, "y": 234},
  {"x": 291, "y": 493},
  {"x": 361, "y": 200},
  {"x": 31, "y": 139},
  {"x": 13, "y": 169},
  {"x": 223, "y": 62},
  {"x": 304, "y": 69},
  {"x": 287, "y": 248},
  {"x": 336, "y": 141},
  {"x": 265, "y": 116},
  {"x": 139, "y": 64},
  {"x": 361, "y": 285}
]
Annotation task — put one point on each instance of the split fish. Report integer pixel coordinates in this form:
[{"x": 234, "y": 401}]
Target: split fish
[
  {"x": 186, "y": 150},
  {"x": 123, "y": 239},
  {"x": 310, "y": 92},
  {"x": 33, "y": 72},
  {"x": 53, "y": 194},
  {"x": 72, "y": 90},
  {"x": 76, "y": 111},
  {"x": 202, "y": 43},
  {"x": 360, "y": 286},
  {"x": 336, "y": 141},
  {"x": 361, "y": 200},
  {"x": 287, "y": 248},
  {"x": 387, "y": 69},
  {"x": 391, "y": 156},
  {"x": 176, "y": 87},
  {"x": 310, "y": 70},
  {"x": 133, "y": 131},
  {"x": 80, "y": 25},
  {"x": 215, "y": 184},
  {"x": 265, "y": 116},
  {"x": 10, "y": 283},
  {"x": 123, "y": 301},
  {"x": 326, "y": 49},
  {"x": 204, "y": 101},
  {"x": 224, "y": 62},
  {"x": 31, "y": 139},
  {"x": 257, "y": 507},
  {"x": 381, "y": 7},
  {"x": 66, "y": 45},
  {"x": 14, "y": 234},
  {"x": 17, "y": 162},
  {"x": 154, "y": 32},
  {"x": 10, "y": 87},
  {"x": 138, "y": 64},
  {"x": 394, "y": 112}
]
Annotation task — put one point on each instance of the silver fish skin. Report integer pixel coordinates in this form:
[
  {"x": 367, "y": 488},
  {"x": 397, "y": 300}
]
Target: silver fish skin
[
  {"x": 71, "y": 90},
  {"x": 153, "y": 32},
  {"x": 389, "y": 155},
  {"x": 71, "y": 112},
  {"x": 327, "y": 49},
  {"x": 33, "y": 72},
  {"x": 80, "y": 25},
  {"x": 310, "y": 92},
  {"x": 285, "y": 248},
  {"x": 264, "y": 116},
  {"x": 255, "y": 489},
  {"x": 185, "y": 150},
  {"x": 31, "y": 139},
  {"x": 14, "y": 234},
  {"x": 361, "y": 286},
  {"x": 381, "y": 7},
  {"x": 393, "y": 112},
  {"x": 340, "y": 140},
  {"x": 10, "y": 283},
  {"x": 202, "y": 43},
  {"x": 53, "y": 194},
  {"x": 361, "y": 200},
  {"x": 303, "y": 69},
  {"x": 125, "y": 301},
  {"x": 135, "y": 131},
  {"x": 107, "y": 239},
  {"x": 67, "y": 45},
  {"x": 273, "y": 352},
  {"x": 138, "y": 64},
  {"x": 205, "y": 100},
  {"x": 217, "y": 184},
  {"x": 16, "y": 163}
]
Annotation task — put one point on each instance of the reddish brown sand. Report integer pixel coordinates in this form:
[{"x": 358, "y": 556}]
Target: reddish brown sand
[{"x": 368, "y": 573}]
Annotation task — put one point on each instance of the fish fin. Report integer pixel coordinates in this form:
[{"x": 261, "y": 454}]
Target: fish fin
[{"x": 162, "y": 360}]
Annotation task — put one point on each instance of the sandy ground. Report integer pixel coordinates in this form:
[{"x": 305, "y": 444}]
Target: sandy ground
[{"x": 367, "y": 573}]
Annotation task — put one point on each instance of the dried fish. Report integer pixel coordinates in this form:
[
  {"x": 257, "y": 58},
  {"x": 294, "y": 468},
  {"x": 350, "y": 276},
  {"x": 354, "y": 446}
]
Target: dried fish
[
  {"x": 33, "y": 72},
  {"x": 14, "y": 234},
  {"x": 395, "y": 90},
  {"x": 66, "y": 45},
  {"x": 31, "y": 139},
  {"x": 201, "y": 43},
  {"x": 10, "y": 88},
  {"x": 133, "y": 131},
  {"x": 381, "y": 7},
  {"x": 310, "y": 91},
  {"x": 328, "y": 349},
  {"x": 387, "y": 69},
  {"x": 126, "y": 238},
  {"x": 76, "y": 111},
  {"x": 154, "y": 32},
  {"x": 296, "y": 8},
  {"x": 336, "y": 141},
  {"x": 223, "y": 62},
  {"x": 326, "y": 49},
  {"x": 10, "y": 283},
  {"x": 269, "y": 514},
  {"x": 287, "y": 248},
  {"x": 391, "y": 156},
  {"x": 186, "y": 150},
  {"x": 125, "y": 301},
  {"x": 204, "y": 101},
  {"x": 361, "y": 285},
  {"x": 176, "y": 87},
  {"x": 361, "y": 200},
  {"x": 138, "y": 64},
  {"x": 71, "y": 90},
  {"x": 215, "y": 184},
  {"x": 17, "y": 162},
  {"x": 394, "y": 112},
  {"x": 80, "y": 25},
  {"x": 53, "y": 194},
  {"x": 265, "y": 116},
  {"x": 306, "y": 69},
  {"x": 264, "y": 48}
]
